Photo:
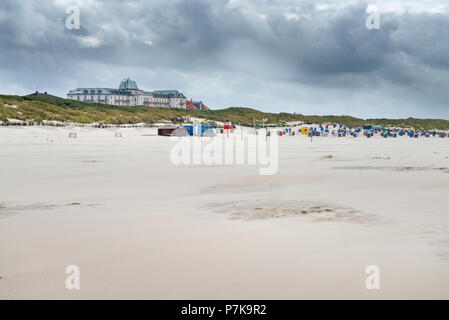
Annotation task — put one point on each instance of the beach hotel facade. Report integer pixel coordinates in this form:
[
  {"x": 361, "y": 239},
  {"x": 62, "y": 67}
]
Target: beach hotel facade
[{"x": 128, "y": 94}]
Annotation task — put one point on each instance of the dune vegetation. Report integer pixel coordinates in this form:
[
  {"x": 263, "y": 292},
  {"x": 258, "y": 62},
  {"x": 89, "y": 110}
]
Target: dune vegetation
[{"x": 59, "y": 109}]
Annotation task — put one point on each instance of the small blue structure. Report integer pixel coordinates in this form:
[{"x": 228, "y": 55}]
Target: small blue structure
[
  {"x": 206, "y": 129},
  {"x": 198, "y": 129}
]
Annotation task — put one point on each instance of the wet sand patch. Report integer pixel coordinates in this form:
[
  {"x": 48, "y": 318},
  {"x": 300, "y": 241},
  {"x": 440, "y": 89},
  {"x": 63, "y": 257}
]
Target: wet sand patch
[
  {"x": 7, "y": 210},
  {"x": 317, "y": 211}
]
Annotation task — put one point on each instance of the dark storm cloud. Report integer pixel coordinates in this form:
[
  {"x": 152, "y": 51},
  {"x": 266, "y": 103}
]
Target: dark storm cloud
[{"x": 237, "y": 49}]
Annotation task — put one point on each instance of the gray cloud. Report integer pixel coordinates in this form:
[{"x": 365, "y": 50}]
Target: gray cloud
[{"x": 280, "y": 55}]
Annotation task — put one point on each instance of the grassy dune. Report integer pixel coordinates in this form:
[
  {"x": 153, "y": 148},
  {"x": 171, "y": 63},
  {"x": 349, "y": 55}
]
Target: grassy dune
[{"x": 38, "y": 109}]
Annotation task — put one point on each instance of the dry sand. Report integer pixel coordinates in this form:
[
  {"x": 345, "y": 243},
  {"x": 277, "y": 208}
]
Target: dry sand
[{"x": 140, "y": 227}]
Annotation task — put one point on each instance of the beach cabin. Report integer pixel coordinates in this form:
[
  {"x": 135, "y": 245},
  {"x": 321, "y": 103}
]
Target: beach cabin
[
  {"x": 199, "y": 129},
  {"x": 207, "y": 130},
  {"x": 166, "y": 131},
  {"x": 193, "y": 129}
]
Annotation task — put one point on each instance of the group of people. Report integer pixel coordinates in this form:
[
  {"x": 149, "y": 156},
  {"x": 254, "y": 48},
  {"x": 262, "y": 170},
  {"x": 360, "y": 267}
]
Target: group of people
[{"x": 339, "y": 130}]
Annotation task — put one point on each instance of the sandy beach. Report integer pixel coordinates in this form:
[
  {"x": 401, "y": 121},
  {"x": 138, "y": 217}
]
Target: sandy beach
[{"x": 140, "y": 227}]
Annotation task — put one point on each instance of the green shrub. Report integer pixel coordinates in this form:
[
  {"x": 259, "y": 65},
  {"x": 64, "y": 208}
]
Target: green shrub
[{"x": 32, "y": 107}]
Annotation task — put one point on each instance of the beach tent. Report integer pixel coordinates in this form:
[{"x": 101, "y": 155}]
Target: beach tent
[{"x": 305, "y": 131}]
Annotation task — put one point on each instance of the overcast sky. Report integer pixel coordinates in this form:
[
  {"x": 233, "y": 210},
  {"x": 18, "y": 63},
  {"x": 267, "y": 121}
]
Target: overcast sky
[{"x": 310, "y": 57}]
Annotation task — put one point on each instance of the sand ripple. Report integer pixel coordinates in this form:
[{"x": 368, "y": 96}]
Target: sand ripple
[{"x": 403, "y": 169}]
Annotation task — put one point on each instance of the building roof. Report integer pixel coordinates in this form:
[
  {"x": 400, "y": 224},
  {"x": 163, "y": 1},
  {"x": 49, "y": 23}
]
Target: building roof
[
  {"x": 169, "y": 93},
  {"x": 128, "y": 84},
  {"x": 128, "y": 87},
  {"x": 190, "y": 105},
  {"x": 42, "y": 95},
  {"x": 198, "y": 104},
  {"x": 100, "y": 91}
]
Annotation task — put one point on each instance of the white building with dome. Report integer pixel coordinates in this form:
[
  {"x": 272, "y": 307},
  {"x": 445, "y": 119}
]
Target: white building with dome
[{"x": 128, "y": 94}]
